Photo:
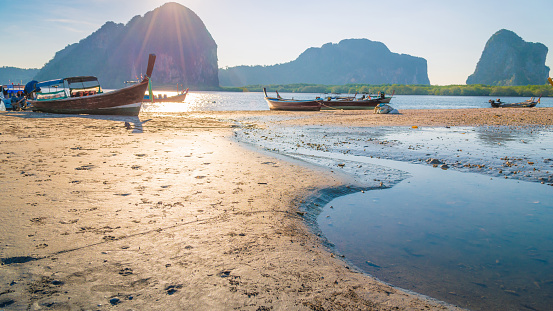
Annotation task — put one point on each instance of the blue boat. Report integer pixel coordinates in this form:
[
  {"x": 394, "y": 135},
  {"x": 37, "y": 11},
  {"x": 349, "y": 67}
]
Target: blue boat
[{"x": 12, "y": 97}]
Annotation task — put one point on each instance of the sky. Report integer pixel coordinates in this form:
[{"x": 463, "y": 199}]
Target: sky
[{"x": 450, "y": 35}]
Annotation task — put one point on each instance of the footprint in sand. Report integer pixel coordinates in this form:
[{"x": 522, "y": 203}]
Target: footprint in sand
[
  {"x": 126, "y": 271},
  {"x": 171, "y": 289}
]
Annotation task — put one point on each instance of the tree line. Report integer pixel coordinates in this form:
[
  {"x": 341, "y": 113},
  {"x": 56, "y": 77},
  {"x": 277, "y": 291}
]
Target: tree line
[{"x": 545, "y": 90}]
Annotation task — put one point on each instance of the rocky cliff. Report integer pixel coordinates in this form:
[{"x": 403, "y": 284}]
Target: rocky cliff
[
  {"x": 115, "y": 53},
  {"x": 350, "y": 61},
  {"x": 509, "y": 60}
]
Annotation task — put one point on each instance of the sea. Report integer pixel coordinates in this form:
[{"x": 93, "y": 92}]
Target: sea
[
  {"x": 254, "y": 101},
  {"x": 462, "y": 214}
]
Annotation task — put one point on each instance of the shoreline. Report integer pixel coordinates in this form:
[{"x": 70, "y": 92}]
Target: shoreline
[
  {"x": 174, "y": 214},
  {"x": 537, "y": 116},
  {"x": 171, "y": 214}
]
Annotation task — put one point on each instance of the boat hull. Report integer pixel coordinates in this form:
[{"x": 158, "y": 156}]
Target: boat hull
[
  {"x": 126, "y": 102},
  {"x": 293, "y": 105},
  {"x": 173, "y": 99},
  {"x": 515, "y": 105},
  {"x": 367, "y": 104}
]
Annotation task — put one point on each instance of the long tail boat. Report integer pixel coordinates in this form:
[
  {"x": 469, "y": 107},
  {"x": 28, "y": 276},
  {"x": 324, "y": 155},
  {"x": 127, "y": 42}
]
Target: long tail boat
[
  {"x": 11, "y": 96},
  {"x": 171, "y": 99},
  {"x": 353, "y": 103},
  {"x": 83, "y": 95},
  {"x": 525, "y": 104},
  {"x": 279, "y": 103}
]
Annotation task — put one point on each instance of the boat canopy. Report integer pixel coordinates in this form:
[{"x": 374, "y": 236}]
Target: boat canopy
[
  {"x": 66, "y": 87},
  {"x": 81, "y": 79},
  {"x": 11, "y": 88},
  {"x": 70, "y": 80},
  {"x": 49, "y": 83}
]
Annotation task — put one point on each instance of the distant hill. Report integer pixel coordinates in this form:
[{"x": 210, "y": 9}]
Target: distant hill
[
  {"x": 350, "y": 61},
  {"x": 16, "y": 75},
  {"x": 115, "y": 53},
  {"x": 509, "y": 60}
]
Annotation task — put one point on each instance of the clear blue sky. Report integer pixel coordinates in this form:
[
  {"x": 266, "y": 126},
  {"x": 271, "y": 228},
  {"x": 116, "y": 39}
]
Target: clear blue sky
[{"x": 450, "y": 35}]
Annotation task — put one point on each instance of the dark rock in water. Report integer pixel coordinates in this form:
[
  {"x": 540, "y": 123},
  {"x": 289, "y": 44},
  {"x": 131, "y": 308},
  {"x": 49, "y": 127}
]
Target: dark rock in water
[
  {"x": 509, "y": 60},
  {"x": 115, "y": 53},
  {"x": 372, "y": 264},
  {"x": 350, "y": 61},
  {"x": 434, "y": 161}
]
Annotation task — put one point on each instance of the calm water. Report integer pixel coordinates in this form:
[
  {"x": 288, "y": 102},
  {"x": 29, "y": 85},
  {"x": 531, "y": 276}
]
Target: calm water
[
  {"x": 225, "y": 101},
  {"x": 478, "y": 235},
  {"x": 467, "y": 239}
]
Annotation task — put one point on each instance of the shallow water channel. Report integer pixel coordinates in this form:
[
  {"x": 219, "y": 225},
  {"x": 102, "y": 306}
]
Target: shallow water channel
[
  {"x": 478, "y": 235},
  {"x": 474, "y": 241}
]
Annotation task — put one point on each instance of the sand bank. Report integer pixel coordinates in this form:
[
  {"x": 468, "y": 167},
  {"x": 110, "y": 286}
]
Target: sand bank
[
  {"x": 171, "y": 214},
  {"x": 410, "y": 117}
]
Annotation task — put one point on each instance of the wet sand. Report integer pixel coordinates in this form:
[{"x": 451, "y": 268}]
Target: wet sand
[
  {"x": 412, "y": 117},
  {"x": 172, "y": 214}
]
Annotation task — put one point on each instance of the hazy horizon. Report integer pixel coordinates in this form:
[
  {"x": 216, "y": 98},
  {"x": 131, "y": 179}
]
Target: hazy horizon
[{"x": 450, "y": 36}]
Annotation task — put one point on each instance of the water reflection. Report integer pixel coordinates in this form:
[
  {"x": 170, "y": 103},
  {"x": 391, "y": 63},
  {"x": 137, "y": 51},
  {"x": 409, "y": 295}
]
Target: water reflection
[
  {"x": 211, "y": 101},
  {"x": 252, "y": 101},
  {"x": 475, "y": 240},
  {"x": 499, "y": 135},
  {"x": 463, "y": 238}
]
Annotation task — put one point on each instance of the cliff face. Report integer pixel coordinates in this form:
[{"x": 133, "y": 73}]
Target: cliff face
[
  {"x": 350, "y": 61},
  {"x": 509, "y": 60},
  {"x": 186, "y": 52}
]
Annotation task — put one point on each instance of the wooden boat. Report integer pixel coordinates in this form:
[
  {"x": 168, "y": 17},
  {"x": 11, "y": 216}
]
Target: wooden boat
[
  {"x": 366, "y": 102},
  {"x": 525, "y": 104},
  {"x": 279, "y": 103},
  {"x": 171, "y": 99},
  {"x": 11, "y": 96},
  {"x": 83, "y": 95}
]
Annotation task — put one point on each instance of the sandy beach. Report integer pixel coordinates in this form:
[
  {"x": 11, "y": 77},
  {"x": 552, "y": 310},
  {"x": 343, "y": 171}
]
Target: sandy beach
[{"x": 171, "y": 213}]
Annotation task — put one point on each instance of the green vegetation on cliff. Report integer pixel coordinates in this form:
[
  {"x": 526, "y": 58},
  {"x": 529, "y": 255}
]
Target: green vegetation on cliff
[
  {"x": 349, "y": 61},
  {"x": 115, "y": 53},
  {"x": 509, "y": 60},
  {"x": 544, "y": 90}
]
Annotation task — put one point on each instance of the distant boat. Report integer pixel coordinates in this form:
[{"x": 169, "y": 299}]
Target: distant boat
[
  {"x": 83, "y": 95},
  {"x": 171, "y": 99},
  {"x": 11, "y": 96},
  {"x": 366, "y": 102},
  {"x": 525, "y": 104},
  {"x": 279, "y": 103}
]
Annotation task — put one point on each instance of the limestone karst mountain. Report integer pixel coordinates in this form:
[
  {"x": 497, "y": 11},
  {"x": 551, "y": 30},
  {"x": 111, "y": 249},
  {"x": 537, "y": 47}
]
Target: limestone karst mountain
[
  {"x": 509, "y": 60},
  {"x": 115, "y": 53},
  {"x": 350, "y": 61}
]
